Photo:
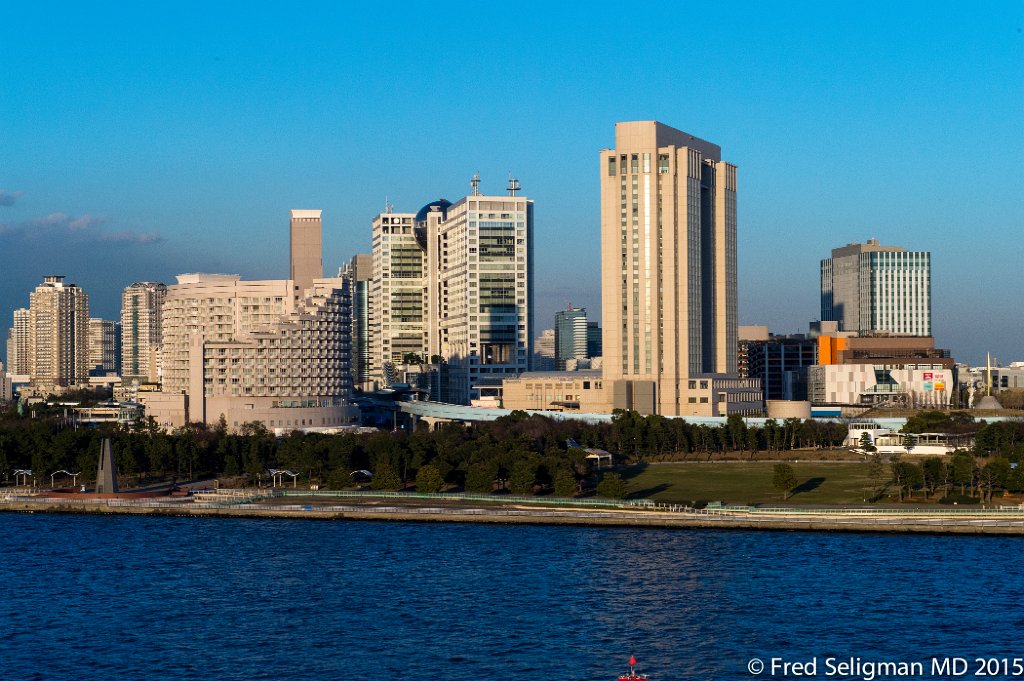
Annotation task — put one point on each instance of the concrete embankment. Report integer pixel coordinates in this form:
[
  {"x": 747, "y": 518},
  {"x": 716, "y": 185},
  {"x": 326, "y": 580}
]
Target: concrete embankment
[{"x": 832, "y": 522}]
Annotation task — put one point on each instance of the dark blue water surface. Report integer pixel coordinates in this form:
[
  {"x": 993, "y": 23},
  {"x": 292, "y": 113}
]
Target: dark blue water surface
[{"x": 91, "y": 597}]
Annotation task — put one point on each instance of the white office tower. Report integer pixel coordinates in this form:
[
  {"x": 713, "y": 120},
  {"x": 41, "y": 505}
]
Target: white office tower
[{"x": 453, "y": 285}]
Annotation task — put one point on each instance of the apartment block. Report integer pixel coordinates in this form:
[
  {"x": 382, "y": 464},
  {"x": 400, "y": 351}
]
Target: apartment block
[
  {"x": 19, "y": 343},
  {"x": 142, "y": 331},
  {"x": 58, "y": 335},
  {"x": 104, "y": 342}
]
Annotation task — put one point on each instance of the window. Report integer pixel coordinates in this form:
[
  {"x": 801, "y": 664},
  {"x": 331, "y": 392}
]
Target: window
[{"x": 611, "y": 166}]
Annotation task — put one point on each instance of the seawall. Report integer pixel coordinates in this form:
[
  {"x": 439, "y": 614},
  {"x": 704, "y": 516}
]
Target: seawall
[{"x": 833, "y": 522}]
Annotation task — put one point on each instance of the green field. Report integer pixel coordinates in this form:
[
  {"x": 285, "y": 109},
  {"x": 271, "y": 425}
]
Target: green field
[{"x": 749, "y": 482}]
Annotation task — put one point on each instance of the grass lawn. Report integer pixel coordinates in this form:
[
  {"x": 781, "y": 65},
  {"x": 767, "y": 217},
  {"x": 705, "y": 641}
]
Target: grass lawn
[{"x": 749, "y": 482}]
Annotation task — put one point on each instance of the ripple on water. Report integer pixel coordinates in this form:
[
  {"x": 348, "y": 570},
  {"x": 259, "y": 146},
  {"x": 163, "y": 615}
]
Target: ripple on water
[{"x": 184, "y": 598}]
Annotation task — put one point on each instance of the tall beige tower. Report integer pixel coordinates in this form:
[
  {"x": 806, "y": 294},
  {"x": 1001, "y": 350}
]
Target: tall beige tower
[
  {"x": 668, "y": 264},
  {"x": 59, "y": 335},
  {"x": 306, "y": 249}
]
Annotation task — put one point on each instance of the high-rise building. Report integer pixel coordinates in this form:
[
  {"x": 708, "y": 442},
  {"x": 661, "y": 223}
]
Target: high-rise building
[
  {"x": 593, "y": 339},
  {"x": 58, "y": 335},
  {"x": 668, "y": 267},
  {"x": 306, "y": 249},
  {"x": 452, "y": 286},
  {"x": 544, "y": 351},
  {"x": 397, "y": 293},
  {"x": 358, "y": 273},
  {"x": 250, "y": 351},
  {"x": 19, "y": 343},
  {"x": 103, "y": 346},
  {"x": 142, "y": 331},
  {"x": 6, "y": 393},
  {"x": 870, "y": 288},
  {"x": 570, "y": 335}
]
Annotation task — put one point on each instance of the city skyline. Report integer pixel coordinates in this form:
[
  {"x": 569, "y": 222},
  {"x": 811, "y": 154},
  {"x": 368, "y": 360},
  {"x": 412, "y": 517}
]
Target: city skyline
[{"x": 132, "y": 156}]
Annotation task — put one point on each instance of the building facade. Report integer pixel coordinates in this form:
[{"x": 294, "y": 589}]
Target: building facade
[
  {"x": 142, "y": 331},
  {"x": 889, "y": 371},
  {"x": 453, "y": 286},
  {"x": 306, "y": 249},
  {"x": 251, "y": 351},
  {"x": 104, "y": 341},
  {"x": 570, "y": 335},
  {"x": 544, "y": 351},
  {"x": 19, "y": 343},
  {"x": 397, "y": 294},
  {"x": 668, "y": 268},
  {"x": 870, "y": 288},
  {"x": 58, "y": 335},
  {"x": 781, "y": 362},
  {"x": 358, "y": 274}
]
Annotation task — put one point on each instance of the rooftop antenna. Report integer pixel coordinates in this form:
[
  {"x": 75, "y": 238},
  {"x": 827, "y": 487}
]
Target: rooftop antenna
[
  {"x": 388, "y": 206},
  {"x": 475, "y": 183},
  {"x": 513, "y": 185}
]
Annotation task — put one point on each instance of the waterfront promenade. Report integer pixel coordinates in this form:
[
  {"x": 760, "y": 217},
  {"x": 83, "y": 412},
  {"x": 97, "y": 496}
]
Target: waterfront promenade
[{"x": 468, "y": 509}]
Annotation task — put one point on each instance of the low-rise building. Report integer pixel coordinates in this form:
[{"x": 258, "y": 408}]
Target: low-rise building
[
  {"x": 585, "y": 391},
  {"x": 867, "y": 385},
  {"x": 271, "y": 351}
]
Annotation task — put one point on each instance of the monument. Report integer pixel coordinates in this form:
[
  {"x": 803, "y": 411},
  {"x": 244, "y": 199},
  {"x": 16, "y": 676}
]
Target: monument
[{"x": 106, "y": 472}]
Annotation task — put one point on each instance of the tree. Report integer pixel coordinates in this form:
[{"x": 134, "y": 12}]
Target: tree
[
  {"x": 905, "y": 476},
  {"x": 385, "y": 478},
  {"x": 522, "y": 476},
  {"x": 876, "y": 470},
  {"x": 908, "y": 442},
  {"x": 784, "y": 479},
  {"x": 737, "y": 429},
  {"x": 428, "y": 479},
  {"x": 993, "y": 474},
  {"x": 480, "y": 478},
  {"x": 866, "y": 443},
  {"x": 934, "y": 472},
  {"x": 962, "y": 464},
  {"x": 612, "y": 486},
  {"x": 565, "y": 483}
]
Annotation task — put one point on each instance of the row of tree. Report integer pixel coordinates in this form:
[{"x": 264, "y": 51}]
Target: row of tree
[{"x": 518, "y": 453}]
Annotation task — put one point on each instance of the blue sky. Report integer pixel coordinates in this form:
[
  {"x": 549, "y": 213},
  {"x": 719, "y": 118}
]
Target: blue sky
[{"x": 139, "y": 142}]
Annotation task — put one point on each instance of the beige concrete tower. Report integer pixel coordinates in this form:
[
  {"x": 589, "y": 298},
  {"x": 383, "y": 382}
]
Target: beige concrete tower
[
  {"x": 668, "y": 264},
  {"x": 59, "y": 335},
  {"x": 306, "y": 249}
]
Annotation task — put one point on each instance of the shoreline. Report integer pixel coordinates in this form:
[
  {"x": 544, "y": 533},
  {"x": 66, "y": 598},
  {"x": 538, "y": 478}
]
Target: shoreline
[{"x": 973, "y": 524}]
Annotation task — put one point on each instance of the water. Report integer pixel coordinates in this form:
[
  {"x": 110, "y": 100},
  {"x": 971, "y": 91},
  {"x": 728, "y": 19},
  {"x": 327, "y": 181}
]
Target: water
[{"x": 123, "y": 597}]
